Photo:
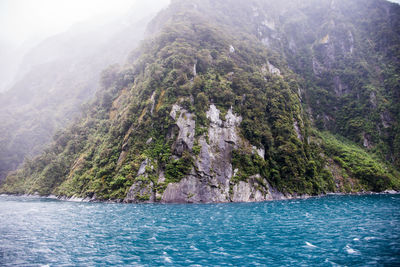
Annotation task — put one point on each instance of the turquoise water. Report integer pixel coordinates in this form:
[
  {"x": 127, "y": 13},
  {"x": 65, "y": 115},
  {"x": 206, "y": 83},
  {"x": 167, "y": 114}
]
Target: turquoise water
[{"x": 334, "y": 230}]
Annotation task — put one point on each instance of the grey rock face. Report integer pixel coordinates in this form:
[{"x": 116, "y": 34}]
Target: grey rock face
[
  {"x": 153, "y": 102},
  {"x": 210, "y": 180},
  {"x": 249, "y": 191},
  {"x": 273, "y": 70},
  {"x": 259, "y": 151},
  {"x": 141, "y": 191},
  {"x": 186, "y": 124},
  {"x": 142, "y": 168},
  {"x": 194, "y": 70},
  {"x": 328, "y": 51},
  {"x": 366, "y": 141},
  {"x": 255, "y": 189},
  {"x": 297, "y": 130}
]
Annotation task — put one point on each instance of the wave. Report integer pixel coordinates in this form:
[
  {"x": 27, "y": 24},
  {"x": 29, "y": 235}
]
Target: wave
[
  {"x": 308, "y": 244},
  {"x": 349, "y": 250}
]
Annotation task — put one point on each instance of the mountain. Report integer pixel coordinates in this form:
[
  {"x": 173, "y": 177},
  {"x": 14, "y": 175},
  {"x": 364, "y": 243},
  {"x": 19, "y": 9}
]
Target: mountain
[
  {"x": 10, "y": 57},
  {"x": 59, "y": 75},
  {"x": 233, "y": 100}
]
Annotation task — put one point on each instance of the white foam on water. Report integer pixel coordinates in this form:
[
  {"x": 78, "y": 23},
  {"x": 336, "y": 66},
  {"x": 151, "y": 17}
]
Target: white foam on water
[
  {"x": 356, "y": 239},
  {"x": 331, "y": 262},
  {"x": 308, "y": 244},
  {"x": 349, "y": 250},
  {"x": 369, "y": 238},
  {"x": 33, "y": 210},
  {"x": 75, "y": 199},
  {"x": 166, "y": 258},
  {"x": 220, "y": 253}
]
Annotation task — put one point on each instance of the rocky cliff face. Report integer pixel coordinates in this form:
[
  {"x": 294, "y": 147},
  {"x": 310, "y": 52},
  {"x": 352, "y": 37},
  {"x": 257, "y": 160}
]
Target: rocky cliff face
[{"x": 211, "y": 177}]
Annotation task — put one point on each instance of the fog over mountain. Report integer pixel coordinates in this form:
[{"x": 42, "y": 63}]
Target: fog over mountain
[
  {"x": 44, "y": 83},
  {"x": 25, "y": 23}
]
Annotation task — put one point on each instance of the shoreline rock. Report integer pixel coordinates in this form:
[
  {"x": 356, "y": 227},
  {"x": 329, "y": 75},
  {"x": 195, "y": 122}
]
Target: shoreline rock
[{"x": 277, "y": 197}]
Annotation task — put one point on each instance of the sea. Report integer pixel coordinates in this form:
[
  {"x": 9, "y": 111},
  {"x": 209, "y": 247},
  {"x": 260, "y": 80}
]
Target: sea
[{"x": 361, "y": 230}]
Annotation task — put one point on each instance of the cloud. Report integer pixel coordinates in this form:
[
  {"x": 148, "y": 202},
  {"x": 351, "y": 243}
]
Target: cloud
[{"x": 21, "y": 20}]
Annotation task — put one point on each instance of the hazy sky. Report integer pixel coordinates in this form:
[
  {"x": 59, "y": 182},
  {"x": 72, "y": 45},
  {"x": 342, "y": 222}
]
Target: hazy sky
[{"x": 21, "y": 20}]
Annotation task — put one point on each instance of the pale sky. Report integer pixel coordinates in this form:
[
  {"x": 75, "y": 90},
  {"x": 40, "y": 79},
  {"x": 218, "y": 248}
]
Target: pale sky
[{"x": 21, "y": 20}]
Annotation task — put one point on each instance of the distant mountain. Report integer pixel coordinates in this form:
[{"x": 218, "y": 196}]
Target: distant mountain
[
  {"x": 60, "y": 74},
  {"x": 238, "y": 100},
  {"x": 11, "y": 57}
]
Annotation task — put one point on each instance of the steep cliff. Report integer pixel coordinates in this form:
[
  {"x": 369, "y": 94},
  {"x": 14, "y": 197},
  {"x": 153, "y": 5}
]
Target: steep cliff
[{"x": 237, "y": 101}]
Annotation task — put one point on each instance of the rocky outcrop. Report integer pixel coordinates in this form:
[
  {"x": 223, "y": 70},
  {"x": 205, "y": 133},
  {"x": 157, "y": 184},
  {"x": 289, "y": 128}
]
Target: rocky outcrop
[
  {"x": 273, "y": 70},
  {"x": 211, "y": 178},
  {"x": 142, "y": 190},
  {"x": 366, "y": 140},
  {"x": 326, "y": 49},
  {"x": 186, "y": 124},
  {"x": 255, "y": 189},
  {"x": 153, "y": 102},
  {"x": 259, "y": 151},
  {"x": 251, "y": 190},
  {"x": 297, "y": 130}
]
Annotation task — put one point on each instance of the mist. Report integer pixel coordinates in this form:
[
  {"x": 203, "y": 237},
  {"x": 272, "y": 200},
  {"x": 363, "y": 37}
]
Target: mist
[
  {"x": 24, "y": 20},
  {"x": 25, "y": 24},
  {"x": 53, "y": 53}
]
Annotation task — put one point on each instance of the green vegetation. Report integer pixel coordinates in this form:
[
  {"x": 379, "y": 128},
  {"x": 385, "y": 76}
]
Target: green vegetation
[
  {"x": 175, "y": 170},
  {"x": 248, "y": 165},
  {"x": 351, "y": 92},
  {"x": 368, "y": 168}
]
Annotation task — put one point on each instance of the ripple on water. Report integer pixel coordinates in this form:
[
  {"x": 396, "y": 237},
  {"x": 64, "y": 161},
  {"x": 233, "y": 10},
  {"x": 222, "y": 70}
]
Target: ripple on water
[{"x": 336, "y": 230}]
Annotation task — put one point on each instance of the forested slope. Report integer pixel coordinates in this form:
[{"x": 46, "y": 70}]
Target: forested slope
[{"x": 238, "y": 101}]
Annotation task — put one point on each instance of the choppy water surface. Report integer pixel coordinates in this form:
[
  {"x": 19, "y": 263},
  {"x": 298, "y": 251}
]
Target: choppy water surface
[{"x": 336, "y": 230}]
